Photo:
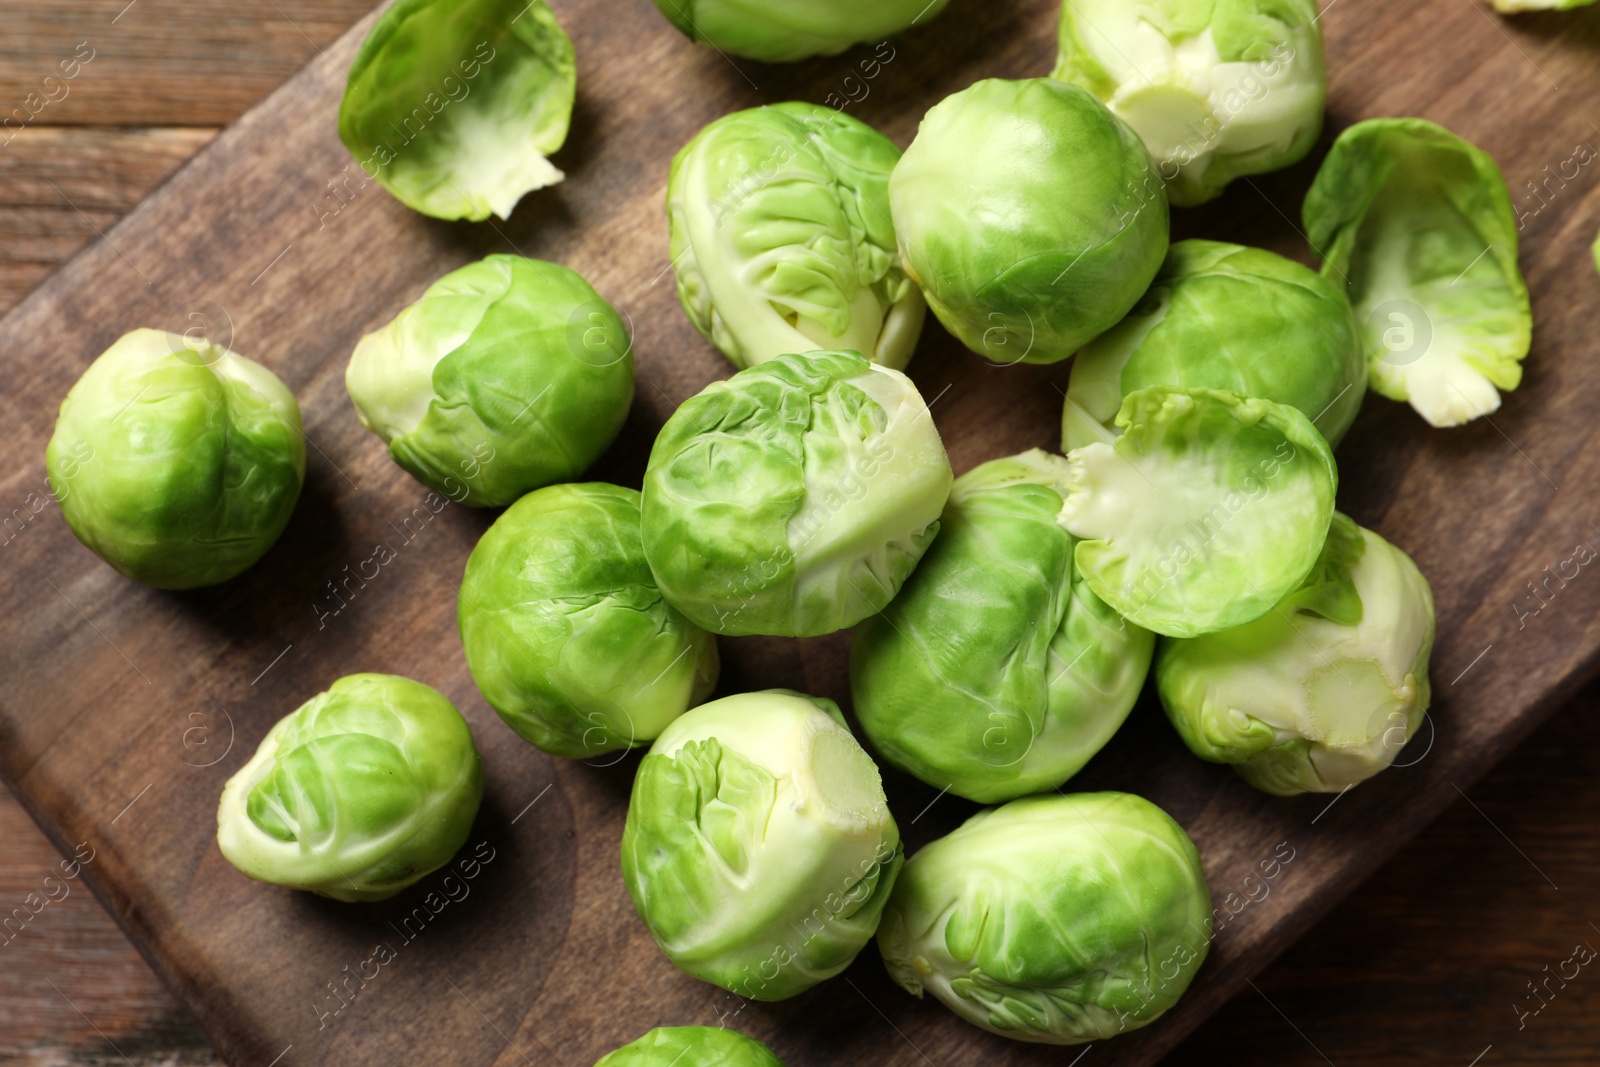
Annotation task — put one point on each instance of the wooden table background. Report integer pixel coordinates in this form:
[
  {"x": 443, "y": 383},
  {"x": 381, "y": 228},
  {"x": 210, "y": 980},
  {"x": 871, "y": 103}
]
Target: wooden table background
[{"x": 1425, "y": 963}]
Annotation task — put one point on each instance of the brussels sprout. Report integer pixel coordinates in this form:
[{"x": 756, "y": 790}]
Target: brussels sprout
[
  {"x": 781, "y": 237},
  {"x": 1031, "y": 217},
  {"x": 565, "y": 631},
  {"x": 453, "y": 105},
  {"x": 507, "y": 375},
  {"x": 759, "y": 848},
  {"x": 692, "y": 1046},
  {"x": 177, "y": 463},
  {"x": 997, "y": 672},
  {"x": 1221, "y": 316},
  {"x": 358, "y": 793},
  {"x": 1321, "y": 693},
  {"x": 1218, "y": 89},
  {"x": 1207, "y": 511},
  {"x": 782, "y": 31},
  {"x": 1418, "y": 224},
  {"x": 1511, "y": 7},
  {"x": 1058, "y": 919},
  {"x": 795, "y": 497}
]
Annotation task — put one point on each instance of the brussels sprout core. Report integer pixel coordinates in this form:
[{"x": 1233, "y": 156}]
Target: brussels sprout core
[
  {"x": 759, "y": 848},
  {"x": 1207, "y": 511}
]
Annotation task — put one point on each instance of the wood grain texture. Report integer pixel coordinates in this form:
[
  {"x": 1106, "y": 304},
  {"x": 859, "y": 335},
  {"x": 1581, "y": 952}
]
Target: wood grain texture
[{"x": 545, "y": 959}]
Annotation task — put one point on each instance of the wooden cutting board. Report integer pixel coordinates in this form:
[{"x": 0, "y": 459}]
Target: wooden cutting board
[{"x": 124, "y": 709}]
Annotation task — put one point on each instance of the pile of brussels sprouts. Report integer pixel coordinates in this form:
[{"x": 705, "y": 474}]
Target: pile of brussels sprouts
[{"x": 1005, "y": 621}]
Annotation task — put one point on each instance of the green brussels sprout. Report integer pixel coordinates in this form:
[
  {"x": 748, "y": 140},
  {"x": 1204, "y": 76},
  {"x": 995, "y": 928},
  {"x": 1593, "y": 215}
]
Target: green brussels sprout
[
  {"x": 507, "y": 375},
  {"x": 1323, "y": 692},
  {"x": 794, "y": 498},
  {"x": 565, "y": 631},
  {"x": 997, "y": 672},
  {"x": 453, "y": 105},
  {"x": 1031, "y": 216},
  {"x": 759, "y": 848},
  {"x": 358, "y": 793},
  {"x": 1418, "y": 225},
  {"x": 1218, "y": 89},
  {"x": 781, "y": 237},
  {"x": 1222, "y": 316},
  {"x": 177, "y": 463},
  {"x": 1512, "y": 7},
  {"x": 782, "y": 31},
  {"x": 692, "y": 1046},
  {"x": 1207, "y": 511},
  {"x": 1056, "y": 919}
]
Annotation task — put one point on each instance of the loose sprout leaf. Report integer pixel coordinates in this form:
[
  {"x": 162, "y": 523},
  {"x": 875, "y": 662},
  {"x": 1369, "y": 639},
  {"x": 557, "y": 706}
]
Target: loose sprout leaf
[
  {"x": 1512, "y": 7},
  {"x": 1419, "y": 225},
  {"x": 454, "y": 105},
  {"x": 1207, "y": 511}
]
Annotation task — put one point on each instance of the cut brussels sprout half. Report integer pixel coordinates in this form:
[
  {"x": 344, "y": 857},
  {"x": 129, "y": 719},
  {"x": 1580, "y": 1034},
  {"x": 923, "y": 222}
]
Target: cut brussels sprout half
[
  {"x": 759, "y": 848},
  {"x": 454, "y": 105},
  {"x": 1207, "y": 511},
  {"x": 1321, "y": 693},
  {"x": 360, "y": 792},
  {"x": 781, "y": 237},
  {"x": 565, "y": 631},
  {"x": 692, "y": 1046},
  {"x": 177, "y": 462},
  {"x": 1218, "y": 89},
  {"x": 508, "y": 374},
  {"x": 1222, "y": 316},
  {"x": 1030, "y": 215},
  {"x": 1057, "y": 919},
  {"x": 1418, "y": 224},
  {"x": 794, "y": 498},
  {"x": 782, "y": 31},
  {"x": 996, "y": 672}
]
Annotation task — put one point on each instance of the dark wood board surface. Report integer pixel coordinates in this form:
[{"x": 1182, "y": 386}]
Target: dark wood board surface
[{"x": 110, "y": 689}]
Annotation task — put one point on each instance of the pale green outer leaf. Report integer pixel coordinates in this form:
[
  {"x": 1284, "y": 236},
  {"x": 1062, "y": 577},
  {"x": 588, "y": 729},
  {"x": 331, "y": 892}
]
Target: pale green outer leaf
[
  {"x": 795, "y": 497},
  {"x": 1301, "y": 702},
  {"x": 782, "y": 31},
  {"x": 507, "y": 375},
  {"x": 1031, "y": 217},
  {"x": 1207, "y": 511},
  {"x": 1419, "y": 225},
  {"x": 759, "y": 848},
  {"x": 781, "y": 237},
  {"x": 177, "y": 462},
  {"x": 358, "y": 793},
  {"x": 566, "y": 634},
  {"x": 1056, "y": 919},
  {"x": 996, "y": 672},
  {"x": 453, "y": 105},
  {"x": 1217, "y": 89},
  {"x": 692, "y": 1046},
  {"x": 1222, "y": 316}
]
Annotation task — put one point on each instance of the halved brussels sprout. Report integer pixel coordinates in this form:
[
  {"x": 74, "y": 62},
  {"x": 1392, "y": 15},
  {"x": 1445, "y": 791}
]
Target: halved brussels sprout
[
  {"x": 781, "y": 237},
  {"x": 1418, "y": 224},
  {"x": 453, "y": 105},
  {"x": 692, "y": 1046},
  {"x": 1322, "y": 692},
  {"x": 794, "y": 498},
  {"x": 1207, "y": 511},
  {"x": 358, "y": 793},
  {"x": 1222, "y": 316},
  {"x": 565, "y": 631},
  {"x": 997, "y": 672},
  {"x": 782, "y": 31},
  {"x": 1030, "y": 215},
  {"x": 759, "y": 848},
  {"x": 1058, "y": 919},
  {"x": 1218, "y": 89},
  {"x": 177, "y": 462},
  {"x": 506, "y": 375}
]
